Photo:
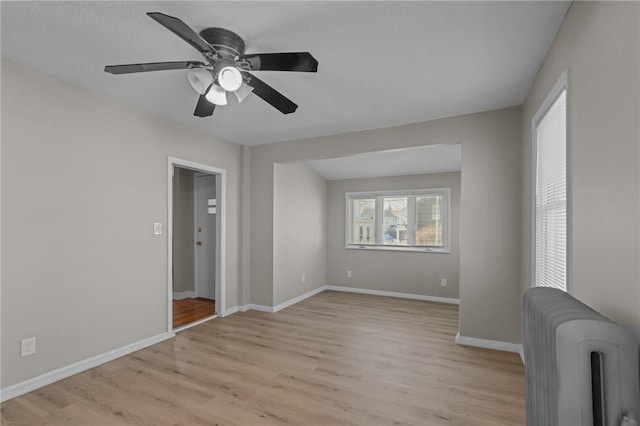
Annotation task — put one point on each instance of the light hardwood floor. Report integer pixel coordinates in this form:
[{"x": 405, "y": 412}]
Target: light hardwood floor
[{"x": 333, "y": 359}]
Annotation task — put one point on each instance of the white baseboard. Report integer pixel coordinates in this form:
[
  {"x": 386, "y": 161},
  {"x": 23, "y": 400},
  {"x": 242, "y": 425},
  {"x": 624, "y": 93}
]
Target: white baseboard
[
  {"x": 249, "y": 307},
  {"x": 184, "y": 295},
  {"x": 394, "y": 294},
  {"x": 274, "y": 309},
  {"x": 232, "y": 310},
  {"x": 254, "y": 307},
  {"x": 297, "y": 299},
  {"x": 489, "y": 344},
  {"x": 521, "y": 352},
  {"x": 62, "y": 373}
]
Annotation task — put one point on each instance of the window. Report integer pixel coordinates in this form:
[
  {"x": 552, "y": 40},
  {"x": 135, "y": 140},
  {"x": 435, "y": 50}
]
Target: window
[
  {"x": 550, "y": 190},
  {"x": 415, "y": 220},
  {"x": 363, "y": 218}
]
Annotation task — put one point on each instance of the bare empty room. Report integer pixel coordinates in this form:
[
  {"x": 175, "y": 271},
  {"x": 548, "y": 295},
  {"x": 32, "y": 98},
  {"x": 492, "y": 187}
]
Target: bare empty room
[{"x": 320, "y": 213}]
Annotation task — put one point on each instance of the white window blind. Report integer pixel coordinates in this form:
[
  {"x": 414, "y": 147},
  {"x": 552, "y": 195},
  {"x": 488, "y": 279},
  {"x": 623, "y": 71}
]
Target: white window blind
[{"x": 551, "y": 196}]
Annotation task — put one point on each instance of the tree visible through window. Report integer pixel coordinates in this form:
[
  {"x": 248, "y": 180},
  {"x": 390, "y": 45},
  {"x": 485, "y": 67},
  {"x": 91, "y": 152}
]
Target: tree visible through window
[{"x": 429, "y": 220}]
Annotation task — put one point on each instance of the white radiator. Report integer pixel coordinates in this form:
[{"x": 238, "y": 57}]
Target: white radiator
[{"x": 581, "y": 368}]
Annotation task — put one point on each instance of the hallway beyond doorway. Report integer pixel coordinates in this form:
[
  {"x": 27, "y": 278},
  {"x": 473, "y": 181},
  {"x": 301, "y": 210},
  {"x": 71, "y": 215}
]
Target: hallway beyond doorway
[{"x": 190, "y": 310}]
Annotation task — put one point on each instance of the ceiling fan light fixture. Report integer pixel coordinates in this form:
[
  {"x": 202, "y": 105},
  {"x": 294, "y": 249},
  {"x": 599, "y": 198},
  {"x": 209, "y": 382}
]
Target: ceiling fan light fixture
[
  {"x": 200, "y": 80},
  {"x": 230, "y": 79},
  {"x": 217, "y": 95},
  {"x": 243, "y": 92},
  {"x": 225, "y": 67}
]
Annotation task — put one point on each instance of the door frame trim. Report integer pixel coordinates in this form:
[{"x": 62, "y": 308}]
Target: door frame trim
[{"x": 221, "y": 192}]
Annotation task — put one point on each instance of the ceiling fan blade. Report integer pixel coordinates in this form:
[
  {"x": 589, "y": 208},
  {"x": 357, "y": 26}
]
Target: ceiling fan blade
[
  {"x": 183, "y": 31},
  {"x": 204, "y": 108},
  {"x": 292, "y": 61},
  {"x": 271, "y": 95},
  {"x": 152, "y": 66}
]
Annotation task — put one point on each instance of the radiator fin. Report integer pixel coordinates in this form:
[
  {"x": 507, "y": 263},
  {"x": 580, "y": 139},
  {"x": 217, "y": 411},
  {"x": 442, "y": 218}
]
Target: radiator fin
[
  {"x": 597, "y": 389},
  {"x": 560, "y": 335}
]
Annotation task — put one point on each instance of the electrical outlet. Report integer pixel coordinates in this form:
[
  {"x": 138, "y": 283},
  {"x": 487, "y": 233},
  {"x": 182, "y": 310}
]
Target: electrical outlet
[
  {"x": 348, "y": 274},
  {"x": 28, "y": 346},
  {"x": 304, "y": 278},
  {"x": 157, "y": 228},
  {"x": 443, "y": 282}
]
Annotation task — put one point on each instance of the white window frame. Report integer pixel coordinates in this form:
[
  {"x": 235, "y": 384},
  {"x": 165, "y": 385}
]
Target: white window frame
[
  {"x": 379, "y": 234},
  {"x": 561, "y": 85}
]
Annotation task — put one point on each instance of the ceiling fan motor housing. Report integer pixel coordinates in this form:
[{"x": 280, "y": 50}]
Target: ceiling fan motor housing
[{"x": 228, "y": 44}]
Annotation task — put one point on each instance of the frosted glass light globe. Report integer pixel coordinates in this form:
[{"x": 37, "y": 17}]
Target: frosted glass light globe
[
  {"x": 230, "y": 79},
  {"x": 217, "y": 95}
]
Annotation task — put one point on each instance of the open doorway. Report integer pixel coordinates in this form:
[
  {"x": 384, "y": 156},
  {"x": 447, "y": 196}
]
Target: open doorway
[{"x": 196, "y": 243}]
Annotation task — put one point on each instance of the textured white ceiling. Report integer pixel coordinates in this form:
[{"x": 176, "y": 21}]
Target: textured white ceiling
[
  {"x": 381, "y": 63},
  {"x": 397, "y": 162}
]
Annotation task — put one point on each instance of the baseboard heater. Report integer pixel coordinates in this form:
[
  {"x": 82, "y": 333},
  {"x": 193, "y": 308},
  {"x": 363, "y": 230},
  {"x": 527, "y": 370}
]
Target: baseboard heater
[{"x": 581, "y": 368}]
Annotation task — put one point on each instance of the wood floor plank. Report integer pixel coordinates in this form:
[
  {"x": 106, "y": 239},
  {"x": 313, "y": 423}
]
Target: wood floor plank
[
  {"x": 186, "y": 311},
  {"x": 333, "y": 359}
]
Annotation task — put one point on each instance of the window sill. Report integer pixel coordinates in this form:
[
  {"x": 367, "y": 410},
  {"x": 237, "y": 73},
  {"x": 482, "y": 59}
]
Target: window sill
[{"x": 398, "y": 248}]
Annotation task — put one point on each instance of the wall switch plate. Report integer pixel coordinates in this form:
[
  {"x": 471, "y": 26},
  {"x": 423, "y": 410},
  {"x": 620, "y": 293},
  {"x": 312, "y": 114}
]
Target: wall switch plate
[
  {"x": 349, "y": 274},
  {"x": 157, "y": 228},
  {"x": 443, "y": 282},
  {"x": 304, "y": 278},
  {"x": 28, "y": 346}
]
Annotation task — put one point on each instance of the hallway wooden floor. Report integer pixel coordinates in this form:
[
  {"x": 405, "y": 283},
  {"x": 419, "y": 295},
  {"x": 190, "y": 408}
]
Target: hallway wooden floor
[
  {"x": 186, "y": 311},
  {"x": 333, "y": 359}
]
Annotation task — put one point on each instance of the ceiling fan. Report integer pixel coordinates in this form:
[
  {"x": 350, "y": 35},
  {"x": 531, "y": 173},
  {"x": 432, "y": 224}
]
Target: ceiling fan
[{"x": 226, "y": 67}]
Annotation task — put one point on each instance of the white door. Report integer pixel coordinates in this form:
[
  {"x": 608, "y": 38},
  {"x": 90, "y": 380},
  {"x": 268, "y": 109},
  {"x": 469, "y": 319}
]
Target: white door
[{"x": 205, "y": 235}]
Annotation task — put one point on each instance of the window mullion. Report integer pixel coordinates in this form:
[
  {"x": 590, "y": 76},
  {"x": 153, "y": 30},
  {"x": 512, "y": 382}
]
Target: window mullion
[
  {"x": 411, "y": 220},
  {"x": 379, "y": 221}
]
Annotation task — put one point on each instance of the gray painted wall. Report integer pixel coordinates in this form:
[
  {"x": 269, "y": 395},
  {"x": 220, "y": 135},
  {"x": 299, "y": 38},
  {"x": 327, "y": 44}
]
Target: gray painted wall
[
  {"x": 490, "y": 209},
  {"x": 403, "y": 272},
  {"x": 183, "y": 243},
  {"x": 299, "y": 229},
  {"x": 490, "y": 296},
  {"x": 83, "y": 180},
  {"x": 599, "y": 44}
]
